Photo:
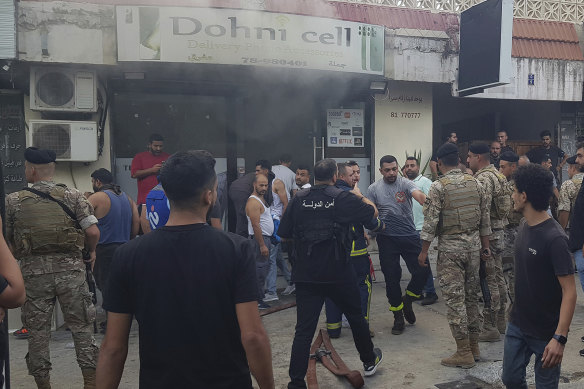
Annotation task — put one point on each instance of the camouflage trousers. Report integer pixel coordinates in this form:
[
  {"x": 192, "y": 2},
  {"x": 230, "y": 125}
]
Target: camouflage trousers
[
  {"x": 458, "y": 274},
  {"x": 78, "y": 310},
  {"x": 509, "y": 260},
  {"x": 494, "y": 274}
]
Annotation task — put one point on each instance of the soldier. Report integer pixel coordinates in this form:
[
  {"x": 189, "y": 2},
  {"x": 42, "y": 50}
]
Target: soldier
[
  {"x": 456, "y": 211},
  {"x": 47, "y": 226},
  {"x": 499, "y": 203},
  {"x": 508, "y": 165},
  {"x": 569, "y": 191}
]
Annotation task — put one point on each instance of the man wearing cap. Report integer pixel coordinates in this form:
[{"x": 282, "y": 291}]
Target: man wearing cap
[
  {"x": 499, "y": 202},
  {"x": 508, "y": 164},
  {"x": 47, "y": 226},
  {"x": 456, "y": 212},
  {"x": 569, "y": 191}
]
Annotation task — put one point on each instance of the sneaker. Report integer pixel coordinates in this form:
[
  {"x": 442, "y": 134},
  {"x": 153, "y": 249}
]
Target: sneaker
[
  {"x": 345, "y": 322},
  {"x": 370, "y": 368},
  {"x": 289, "y": 290},
  {"x": 270, "y": 297},
  {"x": 21, "y": 333},
  {"x": 262, "y": 306},
  {"x": 430, "y": 299}
]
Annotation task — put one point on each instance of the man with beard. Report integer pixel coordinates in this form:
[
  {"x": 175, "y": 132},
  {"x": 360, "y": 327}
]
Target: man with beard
[
  {"x": 303, "y": 177},
  {"x": 145, "y": 168},
  {"x": 495, "y": 154},
  {"x": 412, "y": 171},
  {"x": 549, "y": 151},
  {"x": 392, "y": 195},
  {"x": 261, "y": 228},
  {"x": 569, "y": 192},
  {"x": 117, "y": 220}
]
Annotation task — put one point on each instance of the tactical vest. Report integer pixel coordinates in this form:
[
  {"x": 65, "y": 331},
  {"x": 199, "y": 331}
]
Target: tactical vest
[
  {"x": 461, "y": 211},
  {"x": 42, "y": 227},
  {"x": 316, "y": 223},
  {"x": 501, "y": 204}
]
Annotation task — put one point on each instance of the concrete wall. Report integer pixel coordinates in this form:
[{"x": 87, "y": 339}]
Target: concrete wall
[
  {"x": 553, "y": 80},
  {"x": 69, "y": 32},
  {"x": 403, "y": 122},
  {"x": 423, "y": 56}
]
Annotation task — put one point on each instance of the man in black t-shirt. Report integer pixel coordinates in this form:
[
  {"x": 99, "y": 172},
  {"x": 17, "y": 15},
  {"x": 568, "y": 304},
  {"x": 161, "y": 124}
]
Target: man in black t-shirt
[
  {"x": 545, "y": 290},
  {"x": 166, "y": 277},
  {"x": 547, "y": 150}
]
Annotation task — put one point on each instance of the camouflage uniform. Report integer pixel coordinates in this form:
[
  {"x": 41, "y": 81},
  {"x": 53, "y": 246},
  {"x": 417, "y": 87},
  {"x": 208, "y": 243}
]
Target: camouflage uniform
[
  {"x": 569, "y": 192},
  {"x": 496, "y": 195},
  {"x": 458, "y": 245},
  {"x": 509, "y": 251},
  {"x": 48, "y": 246}
]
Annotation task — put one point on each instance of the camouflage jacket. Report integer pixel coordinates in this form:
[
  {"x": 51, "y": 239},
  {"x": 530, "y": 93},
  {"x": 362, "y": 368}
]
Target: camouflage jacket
[
  {"x": 514, "y": 216},
  {"x": 52, "y": 262},
  {"x": 432, "y": 213},
  {"x": 492, "y": 189},
  {"x": 569, "y": 192}
]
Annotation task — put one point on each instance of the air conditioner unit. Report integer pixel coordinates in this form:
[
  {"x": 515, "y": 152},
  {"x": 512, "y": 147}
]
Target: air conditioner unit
[
  {"x": 72, "y": 141},
  {"x": 61, "y": 89}
]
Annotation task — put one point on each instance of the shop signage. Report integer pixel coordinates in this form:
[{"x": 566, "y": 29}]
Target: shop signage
[
  {"x": 345, "y": 128},
  {"x": 252, "y": 38}
]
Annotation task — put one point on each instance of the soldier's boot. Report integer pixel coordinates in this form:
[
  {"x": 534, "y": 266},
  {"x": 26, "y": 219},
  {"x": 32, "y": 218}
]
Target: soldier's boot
[
  {"x": 88, "y": 378},
  {"x": 398, "y": 322},
  {"x": 502, "y": 319},
  {"x": 43, "y": 382},
  {"x": 489, "y": 333},
  {"x": 409, "y": 314},
  {"x": 463, "y": 356},
  {"x": 473, "y": 338}
]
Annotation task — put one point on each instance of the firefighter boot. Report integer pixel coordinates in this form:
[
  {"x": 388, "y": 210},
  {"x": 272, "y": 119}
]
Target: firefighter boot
[
  {"x": 489, "y": 333},
  {"x": 398, "y": 322},
  {"x": 43, "y": 382},
  {"x": 474, "y": 345},
  {"x": 408, "y": 310},
  {"x": 462, "y": 357},
  {"x": 88, "y": 378}
]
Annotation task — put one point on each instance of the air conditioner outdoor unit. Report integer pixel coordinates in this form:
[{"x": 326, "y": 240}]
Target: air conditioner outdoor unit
[
  {"x": 61, "y": 89},
  {"x": 72, "y": 141}
]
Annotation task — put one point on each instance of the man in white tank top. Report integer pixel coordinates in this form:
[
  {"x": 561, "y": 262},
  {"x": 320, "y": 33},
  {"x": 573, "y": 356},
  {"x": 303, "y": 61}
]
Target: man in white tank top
[{"x": 260, "y": 227}]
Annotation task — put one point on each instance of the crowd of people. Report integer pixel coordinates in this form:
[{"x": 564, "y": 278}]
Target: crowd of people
[{"x": 483, "y": 210}]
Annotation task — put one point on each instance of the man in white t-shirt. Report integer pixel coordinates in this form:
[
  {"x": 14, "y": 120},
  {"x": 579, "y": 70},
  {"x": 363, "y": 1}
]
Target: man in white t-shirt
[
  {"x": 303, "y": 177},
  {"x": 283, "y": 172}
]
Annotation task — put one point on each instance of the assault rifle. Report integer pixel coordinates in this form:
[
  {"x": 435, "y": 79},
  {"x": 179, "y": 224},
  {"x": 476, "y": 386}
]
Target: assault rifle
[{"x": 90, "y": 284}]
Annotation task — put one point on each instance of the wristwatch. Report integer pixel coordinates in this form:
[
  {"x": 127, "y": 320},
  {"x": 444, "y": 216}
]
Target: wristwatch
[{"x": 560, "y": 338}]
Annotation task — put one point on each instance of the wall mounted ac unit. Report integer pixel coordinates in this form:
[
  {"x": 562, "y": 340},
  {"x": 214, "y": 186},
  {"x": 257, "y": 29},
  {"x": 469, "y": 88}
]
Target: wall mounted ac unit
[
  {"x": 72, "y": 141},
  {"x": 62, "y": 89}
]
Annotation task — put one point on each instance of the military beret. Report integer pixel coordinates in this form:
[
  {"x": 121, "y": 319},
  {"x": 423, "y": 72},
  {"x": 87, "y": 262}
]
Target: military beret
[
  {"x": 572, "y": 160},
  {"x": 446, "y": 149},
  {"x": 39, "y": 156},
  {"x": 509, "y": 156},
  {"x": 479, "y": 148}
]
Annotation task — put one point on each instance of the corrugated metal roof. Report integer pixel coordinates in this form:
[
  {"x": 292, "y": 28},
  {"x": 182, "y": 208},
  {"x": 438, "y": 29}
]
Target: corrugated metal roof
[
  {"x": 531, "y": 48},
  {"x": 546, "y": 40},
  {"x": 544, "y": 30}
]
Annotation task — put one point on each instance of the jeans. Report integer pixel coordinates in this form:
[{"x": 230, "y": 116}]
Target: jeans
[
  {"x": 429, "y": 287},
  {"x": 309, "y": 300},
  {"x": 276, "y": 261},
  {"x": 390, "y": 250},
  {"x": 580, "y": 266},
  {"x": 517, "y": 353},
  {"x": 262, "y": 266}
]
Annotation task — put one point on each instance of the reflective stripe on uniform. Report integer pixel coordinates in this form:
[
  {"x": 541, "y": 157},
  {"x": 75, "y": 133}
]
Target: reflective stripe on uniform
[
  {"x": 368, "y": 283},
  {"x": 333, "y": 326},
  {"x": 398, "y": 308},
  {"x": 412, "y": 294}
]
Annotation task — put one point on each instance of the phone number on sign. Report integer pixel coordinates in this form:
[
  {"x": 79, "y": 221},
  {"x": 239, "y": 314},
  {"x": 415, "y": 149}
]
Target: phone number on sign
[
  {"x": 406, "y": 115},
  {"x": 273, "y": 61}
]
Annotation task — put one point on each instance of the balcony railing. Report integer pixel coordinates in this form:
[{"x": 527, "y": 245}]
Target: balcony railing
[{"x": 558, "y": 10}]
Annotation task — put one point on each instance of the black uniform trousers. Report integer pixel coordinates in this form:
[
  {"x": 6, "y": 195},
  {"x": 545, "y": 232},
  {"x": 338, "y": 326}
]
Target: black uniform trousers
[
  {"x": 309, "y": 300},
  {"x": 390, "y": 250}
]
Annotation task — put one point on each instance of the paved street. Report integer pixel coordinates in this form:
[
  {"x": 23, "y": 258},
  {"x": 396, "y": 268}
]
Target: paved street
[{"x": 411, "y": 360}]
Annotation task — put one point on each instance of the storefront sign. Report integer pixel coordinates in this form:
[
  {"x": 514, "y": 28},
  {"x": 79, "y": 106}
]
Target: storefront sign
[
  {"x": 243, "y": 37},
  {"x": 345, "y": 128}
]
